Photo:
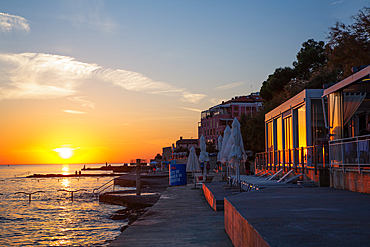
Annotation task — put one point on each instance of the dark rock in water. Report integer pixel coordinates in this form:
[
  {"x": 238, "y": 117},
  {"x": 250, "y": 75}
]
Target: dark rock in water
[{"x": 118, "y": 216}]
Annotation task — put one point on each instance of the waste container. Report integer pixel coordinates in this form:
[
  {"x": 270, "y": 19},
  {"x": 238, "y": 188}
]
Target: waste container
[{"x": 177, "y": 174}]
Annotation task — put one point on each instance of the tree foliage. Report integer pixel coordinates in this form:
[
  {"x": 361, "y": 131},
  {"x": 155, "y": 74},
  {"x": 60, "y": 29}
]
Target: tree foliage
[
  {"x": 310, "y": 59},
  {"x": 349, "y": 45},
  {"x": 158, "y": 157}
]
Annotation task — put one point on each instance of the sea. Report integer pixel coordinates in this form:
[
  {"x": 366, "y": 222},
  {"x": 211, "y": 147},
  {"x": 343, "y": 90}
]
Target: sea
[{"x": 49, "y": 217}]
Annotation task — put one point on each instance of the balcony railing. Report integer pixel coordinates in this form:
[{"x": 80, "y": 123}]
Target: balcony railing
[{"x": 347, "y": 154}]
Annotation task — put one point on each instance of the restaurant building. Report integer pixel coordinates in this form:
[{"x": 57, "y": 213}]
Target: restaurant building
[{"x": 318, "y": 135}]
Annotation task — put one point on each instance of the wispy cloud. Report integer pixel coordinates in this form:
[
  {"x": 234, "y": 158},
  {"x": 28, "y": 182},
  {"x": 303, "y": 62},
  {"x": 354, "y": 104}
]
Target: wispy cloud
[
  {"x": 135, "y": 81},
  {"x": 82, "y": 101},
  {"x": 337, "y": 2},
  {"x": 40, "y": 76},
  {"x": 191, "y": 109},
  {"x": 74, "y": 112},
  {"x": 231, "y": 85},
  {"x": 13, "y": 22},
  {"x": 44, "y": 76}
]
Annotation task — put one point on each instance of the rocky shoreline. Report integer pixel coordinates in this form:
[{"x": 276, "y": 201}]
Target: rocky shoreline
[{"x": 135, "y": 206}]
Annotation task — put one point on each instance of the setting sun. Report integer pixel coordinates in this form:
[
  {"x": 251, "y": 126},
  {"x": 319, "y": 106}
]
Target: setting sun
[{"x": 64, "y": 152}]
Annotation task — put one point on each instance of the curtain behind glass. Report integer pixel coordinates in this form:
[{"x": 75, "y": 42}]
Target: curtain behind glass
[
  {"x": 351, "y": 102},
  {"x": 336, "y": 116}
]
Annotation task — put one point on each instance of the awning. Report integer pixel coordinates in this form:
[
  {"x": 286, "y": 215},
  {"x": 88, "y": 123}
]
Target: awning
[{"x": 349, "y": 80}]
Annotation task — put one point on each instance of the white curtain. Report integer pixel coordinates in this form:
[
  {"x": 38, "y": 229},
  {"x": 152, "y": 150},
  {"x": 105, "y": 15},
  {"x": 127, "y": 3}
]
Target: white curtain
[{"x": 351, "y": 103}]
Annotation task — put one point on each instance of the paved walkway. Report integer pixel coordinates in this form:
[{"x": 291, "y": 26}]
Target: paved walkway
[
  {"x": 181, "y": 217},
  {"x": 290, "y": 216}
]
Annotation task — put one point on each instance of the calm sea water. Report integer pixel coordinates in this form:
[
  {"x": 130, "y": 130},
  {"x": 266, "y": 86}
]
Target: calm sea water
[{"x": 51, "y": 218}]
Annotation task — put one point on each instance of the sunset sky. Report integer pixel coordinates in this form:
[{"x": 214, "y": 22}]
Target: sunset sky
[{"x": 113, "y": 81}]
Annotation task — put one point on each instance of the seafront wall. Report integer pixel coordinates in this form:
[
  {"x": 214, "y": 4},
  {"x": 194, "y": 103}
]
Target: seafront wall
[{"x": 351, "y": 180}]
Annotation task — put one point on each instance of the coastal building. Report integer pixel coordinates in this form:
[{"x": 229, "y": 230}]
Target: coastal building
[
  {"x": 186, "y": 143},
  {"x": 321, "y": 134},
  {"x": 295, "y": 138},
  {"x": 214, "y": 120}
]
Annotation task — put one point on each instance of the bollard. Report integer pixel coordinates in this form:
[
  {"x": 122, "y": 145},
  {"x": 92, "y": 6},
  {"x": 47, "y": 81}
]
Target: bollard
[{"x": 138, "y": 177}]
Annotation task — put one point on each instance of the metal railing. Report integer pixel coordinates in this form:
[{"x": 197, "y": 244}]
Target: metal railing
[
  {"x": 104, "y": 187},
  {"x": 350, "y": 153},
  {"x": 312, "y": 157}
]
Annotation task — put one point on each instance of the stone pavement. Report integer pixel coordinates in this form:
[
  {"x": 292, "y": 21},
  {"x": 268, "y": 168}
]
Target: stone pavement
[{"x": 181, "y": 217}]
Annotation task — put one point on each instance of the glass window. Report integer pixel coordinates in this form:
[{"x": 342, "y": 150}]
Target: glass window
[
  {"x": 288, "y": 131},
  {"x": 317, "y": 123},
  {"x": 302, "y": 138},
  {"x": 270, "y": 137},
  {"x": 279, "y": 134}
]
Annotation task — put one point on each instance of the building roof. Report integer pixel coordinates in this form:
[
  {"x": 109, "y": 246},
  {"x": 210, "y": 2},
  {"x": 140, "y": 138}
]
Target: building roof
[
  {"x": 293, "y": 102},
  {"x": 364, "y": 73},
  {"x": 186, "y": 141},
  {"x": 244, "y": 99}
]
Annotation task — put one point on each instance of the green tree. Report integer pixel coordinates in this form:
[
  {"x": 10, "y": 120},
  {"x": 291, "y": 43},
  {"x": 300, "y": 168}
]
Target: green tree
[
  {"x": 310, "y": 59},
  {"x": 349, "y": 45}
]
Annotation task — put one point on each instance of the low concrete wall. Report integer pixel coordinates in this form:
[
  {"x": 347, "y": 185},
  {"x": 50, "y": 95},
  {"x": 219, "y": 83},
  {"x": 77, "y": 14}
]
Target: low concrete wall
[
  {"x": 239, "y": 230},
  {"x": 350, "y": 180},
  {"x": 209, "y": 197}
]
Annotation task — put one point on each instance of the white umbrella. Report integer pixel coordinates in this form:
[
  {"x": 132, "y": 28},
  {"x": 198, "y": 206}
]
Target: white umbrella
[
  {"x": 153, "y": 162},
  {"x": 223, "y": 155},
  {"x": 219, "y": 145},
  {"x": 203, "y": 157},
  {"x": 193, "y": 164},
  {"x": 235, "y": 148}
]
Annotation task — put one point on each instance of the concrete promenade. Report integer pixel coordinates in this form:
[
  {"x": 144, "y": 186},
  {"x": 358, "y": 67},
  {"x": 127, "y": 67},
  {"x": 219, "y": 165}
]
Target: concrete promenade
[
  {"x": 292, "y": 216},
  {"x": 181, "y": 217}
]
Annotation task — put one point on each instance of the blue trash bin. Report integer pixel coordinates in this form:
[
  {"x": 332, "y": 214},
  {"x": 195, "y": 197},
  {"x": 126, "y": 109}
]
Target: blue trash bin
[{"x": 178, "y": 174}]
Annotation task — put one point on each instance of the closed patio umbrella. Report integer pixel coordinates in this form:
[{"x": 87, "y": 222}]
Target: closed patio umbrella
[
  {"x": 203, "y": 157},
  {"x": 193, "y": 164},
  {"x": 235, "y": 148},
  {"x": 219, "y": 146}
]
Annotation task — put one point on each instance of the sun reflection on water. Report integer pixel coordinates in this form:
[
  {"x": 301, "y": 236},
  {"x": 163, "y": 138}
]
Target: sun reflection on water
[
  {"x": 66, "y": 182},
  {"x": 65, "y": 169}
]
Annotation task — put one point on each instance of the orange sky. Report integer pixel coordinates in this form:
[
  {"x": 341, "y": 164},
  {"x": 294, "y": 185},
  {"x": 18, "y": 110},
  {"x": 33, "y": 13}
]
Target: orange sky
[{"x": 114, "y": 131}]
